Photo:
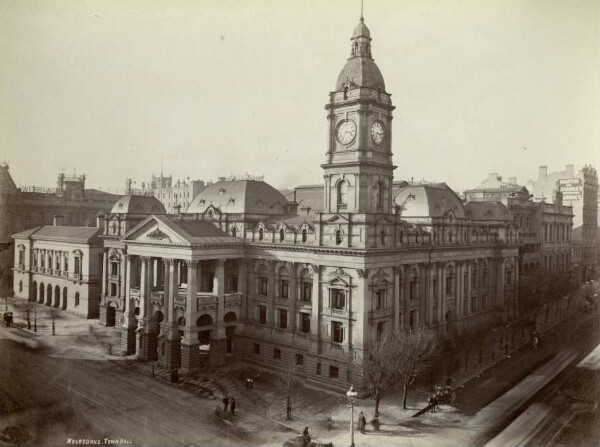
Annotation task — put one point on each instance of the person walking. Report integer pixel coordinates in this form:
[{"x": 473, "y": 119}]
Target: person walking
[
  {"x": 432, "y": 403},
  {"x": 362, "y": 422},
  {"x": 536, "y": 340},
  {"x": 225, "y": 404},
  {"x": 232, "y": 406}
]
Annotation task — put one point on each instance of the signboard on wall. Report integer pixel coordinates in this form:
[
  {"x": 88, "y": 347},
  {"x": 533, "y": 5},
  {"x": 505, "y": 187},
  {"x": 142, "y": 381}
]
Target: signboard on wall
[{"x": 571, "y": 188}]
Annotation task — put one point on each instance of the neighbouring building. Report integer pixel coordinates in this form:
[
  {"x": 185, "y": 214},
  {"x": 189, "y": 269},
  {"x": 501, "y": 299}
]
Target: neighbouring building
[
  {"x": 175, "y": 196},
  {"x": 22, "y": 208},
  {"x": 544, "y": 228},
  {"x": 248, "y": 274},
  {"x": 579, "y": 190},
  {"x": 61, "y": 267}
]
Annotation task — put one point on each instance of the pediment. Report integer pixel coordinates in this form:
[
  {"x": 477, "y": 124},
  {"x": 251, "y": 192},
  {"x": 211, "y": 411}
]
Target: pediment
[
  {"x": 338, "y": 218},
  {"x": 154, "y": 231}
]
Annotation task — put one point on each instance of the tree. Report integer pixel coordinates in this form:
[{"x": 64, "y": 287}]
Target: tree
[
  {"x": 287, "y": 383},
  {"x": 395, "y": 356}
]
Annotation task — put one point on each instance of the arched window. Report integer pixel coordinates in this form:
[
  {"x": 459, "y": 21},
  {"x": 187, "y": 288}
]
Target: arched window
[
  {"x": 20, "y": 286},
  {"x": 338, "y": 237},
  {"x": 281, "y": 235},
  {"x": 234, "y": 232},
  {"x": 261, "y": 234},
  {"x": 380, "y": 195},
  {"x": 382, "y": 237},
  {"x": 304, "y": 235},
  {"x": 345, "y": 92},
  {"x": 342, "y": 195},
  {"x": 76, "y": 299}
]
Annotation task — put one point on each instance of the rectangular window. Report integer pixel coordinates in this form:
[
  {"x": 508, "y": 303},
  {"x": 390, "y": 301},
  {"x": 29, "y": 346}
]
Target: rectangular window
[
  {"x": 114, "y": 268},
  {"x": 35, "y": 259},
  {"x": 299, "y": 359},
  {"x": 305, "y": 322},
  {"x": 307, "y": 291},
  {"x": 474, "y": 304},
  {"x": 256, "y": 348},
  {"x": 412, "y": 319},
  {"x": 413, "y": 290},
  {"x": 380, "y": 329},
  {"x": 318, "y": 369},
  {"x": 381, "y": 299},
  {"x": 57, "y": 263},
  {"x": 264, "y": 285},
  {"x": 334, "y": 372},
  {"x": 449, "y": 285},
  {"x": 262, "y": 314},
  {"x": 277, "y": 354},
  {"x": 284, "y": 289},
  {"x": 113, "y": 289},
  {"x": 337, "y": 333},
  {"x": 77, "y": 266},
  {"x": 283, "y": 318},
  {"x": 337, "y": 299},
  {"x": 21, "y": 257},
  {"x": 66, "y": 263}
]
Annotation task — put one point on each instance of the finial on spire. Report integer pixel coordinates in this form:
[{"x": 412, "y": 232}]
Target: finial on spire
[{"x": 362, "y": 5}]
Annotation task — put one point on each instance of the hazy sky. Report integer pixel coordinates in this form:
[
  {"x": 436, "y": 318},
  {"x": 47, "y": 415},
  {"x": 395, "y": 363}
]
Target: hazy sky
[{"x": 229, "y": 87}]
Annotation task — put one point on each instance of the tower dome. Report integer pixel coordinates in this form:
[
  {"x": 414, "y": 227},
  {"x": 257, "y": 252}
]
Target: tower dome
[{"x": 360, "y": 70}]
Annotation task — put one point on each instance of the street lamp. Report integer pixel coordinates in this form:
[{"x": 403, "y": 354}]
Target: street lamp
[
  {"x": 34, "y": 318},
  {"x": 351, "y": 396}
]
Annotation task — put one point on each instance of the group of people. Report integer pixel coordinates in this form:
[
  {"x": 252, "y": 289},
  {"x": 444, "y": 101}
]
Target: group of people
[
  {"x": 229, "y": 403},
  {"x": 249, "y": 383}
]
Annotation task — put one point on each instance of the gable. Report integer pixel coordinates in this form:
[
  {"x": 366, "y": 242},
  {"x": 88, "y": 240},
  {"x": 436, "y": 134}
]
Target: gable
[{"x": 155, "y": 231}]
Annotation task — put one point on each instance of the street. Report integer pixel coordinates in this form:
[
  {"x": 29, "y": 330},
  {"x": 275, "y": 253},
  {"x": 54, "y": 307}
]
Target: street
[{"x": 83, "y": 399}]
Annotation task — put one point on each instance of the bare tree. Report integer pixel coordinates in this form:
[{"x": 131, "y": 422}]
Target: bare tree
[
  {"x": 286, "y": 382},
  {"x": 395, "y": 356},
  {"x": 415, "y": 349}
]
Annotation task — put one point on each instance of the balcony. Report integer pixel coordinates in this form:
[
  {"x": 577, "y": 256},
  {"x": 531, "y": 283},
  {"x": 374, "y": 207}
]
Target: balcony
[
  {"x": 134, "y": 292},
  {"x": 341, "y": 313},
  {"x": 233, "y": 299},
  {"x": 157, "y": 298},
  {"x": 376, "y": 314},
  {"x": 302, "y": 304},
  {"x": 206, "y": 302}
]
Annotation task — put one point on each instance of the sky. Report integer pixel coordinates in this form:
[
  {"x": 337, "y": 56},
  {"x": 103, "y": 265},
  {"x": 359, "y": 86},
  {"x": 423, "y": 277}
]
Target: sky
[{"x": 115, "y": 89}]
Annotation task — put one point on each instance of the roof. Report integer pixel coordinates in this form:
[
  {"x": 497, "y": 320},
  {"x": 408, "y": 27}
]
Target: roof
[
  {"x": 240, "y": 196},
  {"x": 486, "y": 211},
  {"x": 361, "y": 71},
  {"x": 494, "y": 183},
  {"x": 132, "y": 204},
  {"x": 61, "y": 233},
  {"x": 361, "y": 30},
  {"x": 428, "y": 201},
  {"x": 309, "y": 197}
]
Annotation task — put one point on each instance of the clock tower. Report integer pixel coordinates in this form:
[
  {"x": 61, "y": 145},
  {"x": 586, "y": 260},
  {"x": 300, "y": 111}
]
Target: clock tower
[{"x": 358, "y": 170}]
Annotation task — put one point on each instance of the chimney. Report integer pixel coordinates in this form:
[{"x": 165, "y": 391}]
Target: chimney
[
  {"x": 57, "y": 220},
  {"x": 543, "y": 172},
  {"x": 100, "y": 220},
  {"x": 512, "y": 180},
  {"x": 493, "y": 176},
  {"x": 570, "y": 170}
]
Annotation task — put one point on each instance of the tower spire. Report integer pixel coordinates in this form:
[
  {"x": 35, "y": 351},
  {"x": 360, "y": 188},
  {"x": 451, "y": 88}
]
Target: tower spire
[{"x": 362, "y": 4}]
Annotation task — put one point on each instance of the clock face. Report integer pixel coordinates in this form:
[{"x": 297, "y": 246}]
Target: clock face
[
  {"x": 377, "y": 132},
  {"x": 346, "y": 132}
]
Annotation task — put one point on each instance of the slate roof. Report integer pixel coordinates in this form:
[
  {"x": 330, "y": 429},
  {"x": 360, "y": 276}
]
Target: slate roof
[
  {"x": 425, "y": 201},
  {"x": 361, "y": 71},
  {"x": 240, "y": 196},
  {"x": 487, "y": 211},
  {"x": 138, "y": 205},
  {"x": 61, "y": 233}
]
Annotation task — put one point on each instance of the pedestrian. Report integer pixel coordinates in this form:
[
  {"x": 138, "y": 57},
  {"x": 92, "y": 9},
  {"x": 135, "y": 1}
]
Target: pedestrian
[
  {"x": 248, "y": 382},
  {"x": 536, "y": 340},
  {"x": 362, "y": 422},
  {"x": 432, "y": 403},
  {"x": 305, "y": 437},
  {"x": 232, "y": 406},
  {"x": 453, "y": 398},
  {"x": 225, "y": 404},
  {"x": 251, "y": 384}
]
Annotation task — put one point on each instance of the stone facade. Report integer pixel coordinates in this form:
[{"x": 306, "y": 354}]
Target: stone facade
[
  {"x": 247, "y": 274},
  {"x": 27, "y": 207},
  {"x": 60, "y": 267},
  {"x": 175, "y": 196}
]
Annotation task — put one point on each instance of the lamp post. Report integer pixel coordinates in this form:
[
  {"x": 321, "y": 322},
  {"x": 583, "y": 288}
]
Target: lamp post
[
  {"x": 351, "y": 396},
  {"x": 34, "y": 318}
]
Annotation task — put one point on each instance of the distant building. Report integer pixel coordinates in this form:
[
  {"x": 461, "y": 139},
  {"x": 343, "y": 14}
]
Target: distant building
[
  {"x": 26, "y": 207},
  {"x": 60, "y": 267},
  {"x": 544, "y": 228},
  {"x": 579, "y": 190},
  {"x": 175, "y": 196}
]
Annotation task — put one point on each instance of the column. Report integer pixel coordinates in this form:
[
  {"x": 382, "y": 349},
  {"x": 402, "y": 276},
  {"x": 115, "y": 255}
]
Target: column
[
  {"x": 128, "y": 338},
  {"x": 190, "y": 355},
  {"x": 458, "y": 289},
  {"x": 104, "y": 275},
  {"x": 440, "y": 292},
  {"x": 218, "y": 342},
  {"x": 170, "y": 356},
  {"x": 316, "y": 301},
  {"x": 397, "y": 298},
  {"x": 293, "y": 297},
  {"x": 148, "y": 336},
  {"x": 469, "y": 287},
  {"x": 500, "y": 282},
  {"x": 242, "y": 287},
  {"x": 271, "y": 292},
  {"x": 431, "y": 294}
]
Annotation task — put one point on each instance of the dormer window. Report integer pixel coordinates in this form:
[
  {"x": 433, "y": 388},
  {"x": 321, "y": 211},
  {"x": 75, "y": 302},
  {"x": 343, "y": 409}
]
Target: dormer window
[
  {"x": 338, "y": 237},
  {"x": 281, "y": 235},
  {"x": 304, "y": 235},
  {"x": 345, "y": 92},
  {"x": 234, "y": 231},
  {"x": 342, "y": 195},
  {"x": 261, "y": 234}
]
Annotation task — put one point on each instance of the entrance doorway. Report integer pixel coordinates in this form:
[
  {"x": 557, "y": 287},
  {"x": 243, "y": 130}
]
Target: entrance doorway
[{"x": 111, "y": 315}]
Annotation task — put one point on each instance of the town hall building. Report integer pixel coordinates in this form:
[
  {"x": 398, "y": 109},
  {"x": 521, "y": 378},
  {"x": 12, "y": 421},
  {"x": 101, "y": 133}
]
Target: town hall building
[{"x": 248, "y": 274}]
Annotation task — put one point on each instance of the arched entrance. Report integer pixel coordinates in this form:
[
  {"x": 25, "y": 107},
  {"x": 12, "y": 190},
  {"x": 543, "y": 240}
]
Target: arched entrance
[
  {"x": 56, "y": 296},
  {"x": 34, "y": 292},
  {"x": 49, "y": 295},
  {"x": 64, "y": 299},
  {"x": 111, "y": 314},
  {"x": 42, "y": 292},
  {"x": 204, "y": 324}
]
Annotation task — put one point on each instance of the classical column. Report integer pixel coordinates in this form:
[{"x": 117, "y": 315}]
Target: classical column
[
  {"x": 469, "y": 287},
  {"x": 190, "y": 354},
  {"x": 316, "y": 306},
  {"x": 148, "y": 340},
  {"x": 271, "y": 292},
  {"x": 242, "y": 287},
  {"x": 440, "y": 292},
  {"x": 170, "y": 349},
  {"x": 396, "y": 297},
  {"x": 293, "y": 296},
  {"x": 128, "y": 338},
  {"x": 430, "y": 317},
  {"x": 500, "y": 282},
  {"x": 123, "y": 280},
  {"x": 218, "y": 343},
  {"x": 104, "y": 272}
]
